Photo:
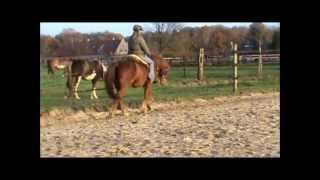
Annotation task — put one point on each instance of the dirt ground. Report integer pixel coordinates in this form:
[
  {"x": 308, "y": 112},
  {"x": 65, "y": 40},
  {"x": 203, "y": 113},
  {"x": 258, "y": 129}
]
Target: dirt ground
[{"x": 235, "y": 126}]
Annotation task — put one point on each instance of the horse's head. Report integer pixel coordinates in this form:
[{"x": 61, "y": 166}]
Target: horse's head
[{"x": 163, "y": 68}]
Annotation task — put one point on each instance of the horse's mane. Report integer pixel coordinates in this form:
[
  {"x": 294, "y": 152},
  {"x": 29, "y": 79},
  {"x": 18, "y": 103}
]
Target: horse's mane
[
  {"x": 161, "y": 62},
  {"x": 156, "y": 55}
]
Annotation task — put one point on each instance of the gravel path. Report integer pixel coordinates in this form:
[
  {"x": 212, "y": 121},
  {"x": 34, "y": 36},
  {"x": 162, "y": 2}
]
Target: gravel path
[{"x": 236, "y": 126}]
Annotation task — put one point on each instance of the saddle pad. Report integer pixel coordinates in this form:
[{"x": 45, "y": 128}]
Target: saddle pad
[{"x": 138, "y": 59}]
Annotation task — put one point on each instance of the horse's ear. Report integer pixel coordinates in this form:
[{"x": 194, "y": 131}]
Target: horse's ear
[{"x": 156, "y": 56}]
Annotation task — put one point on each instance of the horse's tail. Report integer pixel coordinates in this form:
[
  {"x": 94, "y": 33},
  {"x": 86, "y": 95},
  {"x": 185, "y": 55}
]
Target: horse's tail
[{"x": 110, "y": 81}]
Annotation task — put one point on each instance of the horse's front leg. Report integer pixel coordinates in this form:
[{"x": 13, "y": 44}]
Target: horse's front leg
[
  {"x": 120, "y": 96},
  {"x": 93, "y": 92},
  {"x": 146, "y": 101},
  {"x": 65, "y": 72},
  {"x": 76, "y": 87},
  {"x": 149, "y": 96},
  {"x": 70, "y": 87},
  {"x": 143, "y": 108}
]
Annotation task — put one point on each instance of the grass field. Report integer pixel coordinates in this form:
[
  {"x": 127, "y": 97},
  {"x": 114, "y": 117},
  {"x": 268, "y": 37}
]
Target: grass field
[{"x": 217, "y": 82}]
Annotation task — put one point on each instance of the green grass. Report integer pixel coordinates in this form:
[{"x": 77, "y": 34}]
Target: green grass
[{"x": 217, "y": 82}]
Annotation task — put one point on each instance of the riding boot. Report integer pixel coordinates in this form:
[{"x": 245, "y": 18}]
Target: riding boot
[
  {"x": 155, "y": 80},
  {"x": 155, "y": 74}
]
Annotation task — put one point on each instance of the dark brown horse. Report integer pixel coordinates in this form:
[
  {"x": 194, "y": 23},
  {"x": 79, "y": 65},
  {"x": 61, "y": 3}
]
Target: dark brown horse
[
  {"x": 87, "y": 70},
  {"x": 130, "y": 72},
  {"x": 59, "y": 64}
]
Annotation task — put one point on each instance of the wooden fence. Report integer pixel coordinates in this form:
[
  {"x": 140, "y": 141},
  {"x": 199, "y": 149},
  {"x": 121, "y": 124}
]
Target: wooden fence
[
  {"x": 222, "y": 60},
  {"x": 244, "y": 57}
]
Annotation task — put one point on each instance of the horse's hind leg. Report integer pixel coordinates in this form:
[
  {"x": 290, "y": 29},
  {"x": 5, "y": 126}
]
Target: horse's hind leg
[
  {"x": 50, "y": 72},
  {"x": 120, "y": 96},
  {"x": 149, "y": 104},
  {"x": 149, "y": 96},
  {"x": 121, "y": 88},
  {"x": 146, "y": 101},
  {"x": 118, "y": 103},
  {"x": 93, "y": 92},
  {"x": 114, "y": 106},
  {"x": 69, "y": 86},
  {"x": 76, "y": 87},
  {"x": 65, "y": 72},
  {"x": 67, "y": 94},
  {"x": 123, "y": 108}
]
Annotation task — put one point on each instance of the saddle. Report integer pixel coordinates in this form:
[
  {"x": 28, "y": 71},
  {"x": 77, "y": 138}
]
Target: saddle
[{"x": 139, "y": 59}]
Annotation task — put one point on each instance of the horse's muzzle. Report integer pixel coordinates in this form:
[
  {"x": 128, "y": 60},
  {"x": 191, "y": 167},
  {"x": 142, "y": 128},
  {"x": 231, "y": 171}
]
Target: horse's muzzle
[{"x": 163, "y": 81}]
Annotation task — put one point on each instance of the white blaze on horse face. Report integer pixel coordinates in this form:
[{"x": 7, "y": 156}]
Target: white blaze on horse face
[{"x": 91, "y": 76}]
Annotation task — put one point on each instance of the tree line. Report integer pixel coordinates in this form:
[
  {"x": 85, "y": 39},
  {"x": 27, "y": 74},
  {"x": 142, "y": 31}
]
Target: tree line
[{"x": 168, "y": 39}]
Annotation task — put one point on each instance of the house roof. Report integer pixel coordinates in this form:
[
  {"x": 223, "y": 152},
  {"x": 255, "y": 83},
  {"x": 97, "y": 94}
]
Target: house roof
[
  {"x": 110, "y": 45},
  {"x": 70, "y": 31}
]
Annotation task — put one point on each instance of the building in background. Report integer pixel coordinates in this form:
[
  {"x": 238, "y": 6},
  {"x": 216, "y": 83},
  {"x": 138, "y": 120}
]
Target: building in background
[{"x": 114, "y": 47}]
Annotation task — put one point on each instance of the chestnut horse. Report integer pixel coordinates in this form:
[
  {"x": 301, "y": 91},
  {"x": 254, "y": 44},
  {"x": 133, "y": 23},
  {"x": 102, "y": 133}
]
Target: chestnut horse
[
  {"x": 59, "y": 64},
  {"x": 129, "y": 71}
]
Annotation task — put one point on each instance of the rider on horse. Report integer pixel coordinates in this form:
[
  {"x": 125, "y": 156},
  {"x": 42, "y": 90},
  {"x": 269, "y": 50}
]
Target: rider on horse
[{"x": 138, "y": 46}]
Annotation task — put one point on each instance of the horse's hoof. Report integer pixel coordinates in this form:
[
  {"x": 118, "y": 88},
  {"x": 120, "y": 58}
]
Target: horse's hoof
[
  {"x": 76, "y": 96},
  {"x": 143, "y": 111},
  {"x": 110, "y": 116}
]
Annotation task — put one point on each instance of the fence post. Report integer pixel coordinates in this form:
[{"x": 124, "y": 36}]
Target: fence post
[
  {"x": 232, "y": 49},
  {"x": 260, "y": 59},
  {"x": 235, "y": 68},
  {"x": 200, "y": 64},
  {"x": 184, "y": 66}
]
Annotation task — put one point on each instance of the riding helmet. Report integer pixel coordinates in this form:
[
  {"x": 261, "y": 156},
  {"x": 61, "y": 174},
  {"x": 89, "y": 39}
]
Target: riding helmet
[{"x": 137, "y": 28}]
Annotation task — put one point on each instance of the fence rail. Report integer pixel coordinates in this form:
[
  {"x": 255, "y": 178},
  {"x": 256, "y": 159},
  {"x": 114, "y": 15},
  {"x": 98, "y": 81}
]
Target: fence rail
[
  {"x": 90, "y": 57},
  {"x": 222, "y": 60},
  {"x": 244, "y": 57}
]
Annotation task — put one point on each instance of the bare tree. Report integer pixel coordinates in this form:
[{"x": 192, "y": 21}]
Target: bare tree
[
  {"x": 163, "y": 33},
  {"x": 219, "y": 41},
  {"x": 257, "y": 32},
  {"x": 276, "y": 39}
]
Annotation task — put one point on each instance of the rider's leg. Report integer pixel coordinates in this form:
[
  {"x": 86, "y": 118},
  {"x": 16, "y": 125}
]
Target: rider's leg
[{"x": 152, "y": 70}]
